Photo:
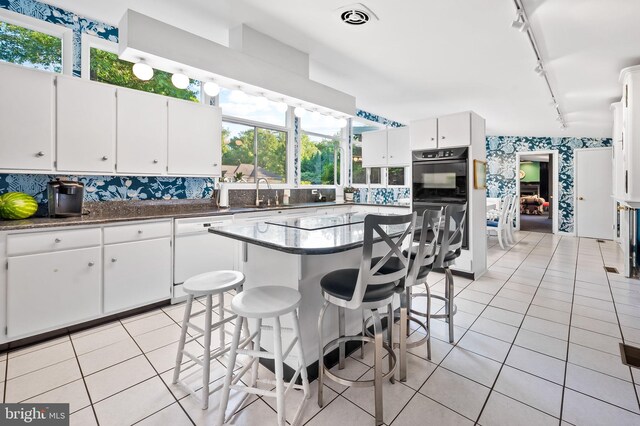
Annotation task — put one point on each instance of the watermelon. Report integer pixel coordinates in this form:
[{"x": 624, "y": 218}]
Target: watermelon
[{"x": 17, "y": 205}]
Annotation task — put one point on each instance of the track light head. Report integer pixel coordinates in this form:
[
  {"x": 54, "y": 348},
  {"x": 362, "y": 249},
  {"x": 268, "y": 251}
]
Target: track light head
[
  {"x": 520, "y": 23},
  {"x": 539, "y": 69}
]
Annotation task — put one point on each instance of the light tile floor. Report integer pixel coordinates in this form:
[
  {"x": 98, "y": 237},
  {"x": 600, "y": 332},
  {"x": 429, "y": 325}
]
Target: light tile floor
[{"x": 536, "y": 342}]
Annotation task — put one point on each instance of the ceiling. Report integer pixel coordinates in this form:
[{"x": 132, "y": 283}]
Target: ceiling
[{"x": 425, "y": 58}]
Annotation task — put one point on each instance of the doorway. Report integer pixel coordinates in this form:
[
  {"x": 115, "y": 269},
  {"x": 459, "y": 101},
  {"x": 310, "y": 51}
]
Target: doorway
[
  {"x": 536, "y": 189},
  {"x": 593, "y": 206}
]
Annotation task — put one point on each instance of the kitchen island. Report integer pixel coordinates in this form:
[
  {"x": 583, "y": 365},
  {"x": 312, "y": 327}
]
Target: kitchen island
[{"x": 297, "y": 253}]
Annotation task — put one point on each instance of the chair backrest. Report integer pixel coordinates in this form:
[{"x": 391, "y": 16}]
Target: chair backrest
[
  {"x": 512, "y": 211},
  {"x": 394, "y": 231},
  {"x": 425, "y": 252},
  {"x": 507, "y": 205},
  {"x": 451, "y": 232}
]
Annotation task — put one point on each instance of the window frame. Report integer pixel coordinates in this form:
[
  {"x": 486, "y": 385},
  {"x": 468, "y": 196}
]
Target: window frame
[
  {"x": 341, "y": 148},
  {"x": 383, "y": 170},
  {"x": 63, "y": 33},
  {"x": 89, "y": 42},
  {"x": 289, "y": 159}
]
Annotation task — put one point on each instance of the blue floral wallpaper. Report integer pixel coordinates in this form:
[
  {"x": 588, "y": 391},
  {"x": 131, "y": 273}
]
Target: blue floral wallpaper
[
  {"x": 381, "y": 195},
  {"x": 377, "y": 119},
  {"x": 58, "y": 16},
  {"x": 501, "y": 167}
]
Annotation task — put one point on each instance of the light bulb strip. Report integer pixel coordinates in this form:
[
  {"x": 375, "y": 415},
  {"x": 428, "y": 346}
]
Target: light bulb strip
[{"x": 522, "y": 14}]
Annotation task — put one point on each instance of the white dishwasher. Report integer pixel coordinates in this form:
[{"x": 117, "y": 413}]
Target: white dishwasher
[{"x": 196, "y": 250}]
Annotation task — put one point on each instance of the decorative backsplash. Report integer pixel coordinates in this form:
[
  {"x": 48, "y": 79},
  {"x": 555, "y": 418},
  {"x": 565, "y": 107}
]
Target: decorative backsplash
[
  {"x": 112, "y": 188},
  {"x": 381, "y": 195},
  {"x": 501, "y": 167}
]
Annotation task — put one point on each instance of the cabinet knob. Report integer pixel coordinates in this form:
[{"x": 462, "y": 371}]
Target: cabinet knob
[
  {"x": 442, "y": 137},
  {"x": 580, "y": 198},
  {"x": 433, "y": 139},
  {"x": 40, "y": 154},
  {"x": 91, "y": 263},
  {"x": 139, "y": 231},
  {"x": 105, "y": 158},
  {"x": 155, "y": 161},
  {"x": 215, "y": 164},
  {"x": 383, "y": 156},
  {"x": 57, "y": 240},
  {"x": 114, "y": 259}
]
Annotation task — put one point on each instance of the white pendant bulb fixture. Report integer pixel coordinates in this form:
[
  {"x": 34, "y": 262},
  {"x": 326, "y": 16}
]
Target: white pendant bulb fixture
[
  {"x": 180, "y": 80},
  {"x": 281, "y": 106},
  {"x": 342, "y": 122},
  {"x": 143, "y": 71},
  {"x": 299, "y": 111},
  {"x": 211, "y": 89}
]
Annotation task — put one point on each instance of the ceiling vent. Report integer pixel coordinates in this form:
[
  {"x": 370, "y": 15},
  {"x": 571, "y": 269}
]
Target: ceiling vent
[{"x": 356, "y": 14}]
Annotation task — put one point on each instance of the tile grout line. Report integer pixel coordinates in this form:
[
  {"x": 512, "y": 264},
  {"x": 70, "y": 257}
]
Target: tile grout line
[
  {"x": 158, "y": 376},
  {"x": 519, "y": 327},
  {"x": 86, "y": 388},
  {"x": 613, "y": 301},
  {"x": 566, "y": 364}
]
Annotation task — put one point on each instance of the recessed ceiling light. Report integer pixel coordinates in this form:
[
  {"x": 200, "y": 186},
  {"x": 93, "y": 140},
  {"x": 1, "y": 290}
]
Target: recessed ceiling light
[{"x": 356, "y": 14}]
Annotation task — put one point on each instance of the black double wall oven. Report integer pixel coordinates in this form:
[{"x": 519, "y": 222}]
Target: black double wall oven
[{"x": 440, "y": 177}]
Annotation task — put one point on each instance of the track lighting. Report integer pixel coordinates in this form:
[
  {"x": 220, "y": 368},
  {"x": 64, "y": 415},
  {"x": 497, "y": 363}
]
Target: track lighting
[
  {"x": 520, "y": 23},
  {"x": 539, "y": 69}
]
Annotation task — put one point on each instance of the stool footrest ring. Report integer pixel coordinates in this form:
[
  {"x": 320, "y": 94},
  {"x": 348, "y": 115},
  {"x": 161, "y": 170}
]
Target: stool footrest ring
[
  {"x": 355, "y": 383},
  {"x": 410, "y": 345},
  {"x": 434, "y": 316}
]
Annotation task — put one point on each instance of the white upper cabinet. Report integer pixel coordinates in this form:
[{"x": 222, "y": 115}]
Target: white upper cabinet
[
  {"x": 195, "y": 141},
  {"x": 86, "y": 126},
  {"x": 454, "y": 130},
  {"x": 386, "y": 148},
  {"x": 26, "y": 118},
  {"x": 374, "y": 148},
  {"x": 424, "y": 134},
  {"x": 141, "y": 133},
  {"x": 399, "y": 146}
]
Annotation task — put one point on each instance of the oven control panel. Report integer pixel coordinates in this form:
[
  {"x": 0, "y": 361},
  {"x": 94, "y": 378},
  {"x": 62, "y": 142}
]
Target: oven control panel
[{"x": 440, "y": 154}]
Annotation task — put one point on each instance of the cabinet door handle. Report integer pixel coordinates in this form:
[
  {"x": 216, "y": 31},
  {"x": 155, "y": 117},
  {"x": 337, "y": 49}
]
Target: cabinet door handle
[
  {"x": 114, "y": 259},
  {"x": 40, "y": 154},
  {"x": 105, "y": 158},
  {"x": 441, "y": 137},
  {"x": 91, "y": 263},
  {"x": 57, "y": 240},
  {"x": 155, "y": 161}
]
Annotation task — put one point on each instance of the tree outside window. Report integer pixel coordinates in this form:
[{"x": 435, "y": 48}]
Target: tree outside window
[
  {"x": 239, "y": 153},
  {"x": 106, "y": 67},
  {"x": 30, "y": 48},
  {"x": 318, "y": 160}
]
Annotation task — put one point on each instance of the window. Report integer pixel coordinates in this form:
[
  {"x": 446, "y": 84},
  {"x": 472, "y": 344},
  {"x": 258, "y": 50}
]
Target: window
[
  {"x": 246, "y": 149},
  {"x": 235, "y": 103},
  {"x": 106, "y": 67},
  {"x": 30, "y": 48},
  {"x": 358, "y": 173},
  {"x": 319, "y": 160},
  {"x": 396, "y": 176}
]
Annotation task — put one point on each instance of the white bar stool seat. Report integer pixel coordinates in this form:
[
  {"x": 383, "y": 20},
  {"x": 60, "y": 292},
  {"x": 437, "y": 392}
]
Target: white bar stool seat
[
  {"x": 209, "y": 284},
  {"x": 265, "y": 303}
]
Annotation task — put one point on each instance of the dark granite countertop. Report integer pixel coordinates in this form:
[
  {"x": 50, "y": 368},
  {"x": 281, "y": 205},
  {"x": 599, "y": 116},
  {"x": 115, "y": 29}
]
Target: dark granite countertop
[
  {"x": 124, "y": 211},
  {"x": 310, "y": 236}
]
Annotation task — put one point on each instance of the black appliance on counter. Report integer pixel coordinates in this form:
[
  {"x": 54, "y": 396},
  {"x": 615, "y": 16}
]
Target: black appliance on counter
[
  {"x": 65, "y": 198},
  {"x": 441, "y": 177}
]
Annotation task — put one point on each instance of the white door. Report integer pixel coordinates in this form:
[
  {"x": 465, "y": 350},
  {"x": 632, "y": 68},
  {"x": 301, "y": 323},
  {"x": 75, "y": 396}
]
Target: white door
[
  {"x": 454, "y": 130},
  {"x": 594, "y": 216},
  {"x": 195, "y": 139},
  {"x": 399, "y": 146},
  {"x": 86, "y": 126},
  {"x": 424, "y": 134},
  {"x": 26, "y": 118},
  {"x": 142, "y": 133},
  {"x": 49, "y": 290},
  {"x": 136, "y": 274},
  {"x": 374, "y": 148}
]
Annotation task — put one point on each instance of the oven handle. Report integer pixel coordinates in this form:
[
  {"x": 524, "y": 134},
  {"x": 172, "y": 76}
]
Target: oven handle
[{"x": 447, "y": 161}]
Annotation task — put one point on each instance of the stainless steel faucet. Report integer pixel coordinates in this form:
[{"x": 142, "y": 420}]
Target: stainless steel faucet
[{"x": 258, "y": 189}]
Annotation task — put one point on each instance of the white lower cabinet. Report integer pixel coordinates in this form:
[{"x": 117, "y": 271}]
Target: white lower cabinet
[
  {"x": 50, "y": 290},
  {"x": 136, "y": 273}
]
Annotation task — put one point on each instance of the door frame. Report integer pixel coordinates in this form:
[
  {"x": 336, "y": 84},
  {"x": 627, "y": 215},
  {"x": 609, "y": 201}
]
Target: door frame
[
  {"x": 575, "y": 186},
  {"x": 555, "y": 184}
]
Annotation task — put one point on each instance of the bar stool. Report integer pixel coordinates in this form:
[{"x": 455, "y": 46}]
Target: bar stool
[
  {"x": 209, "y": 284},
  {"x": 450, "y": 239},
  {"x": 366, "y": 288},
  {"x": 263, "y": 303}
]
